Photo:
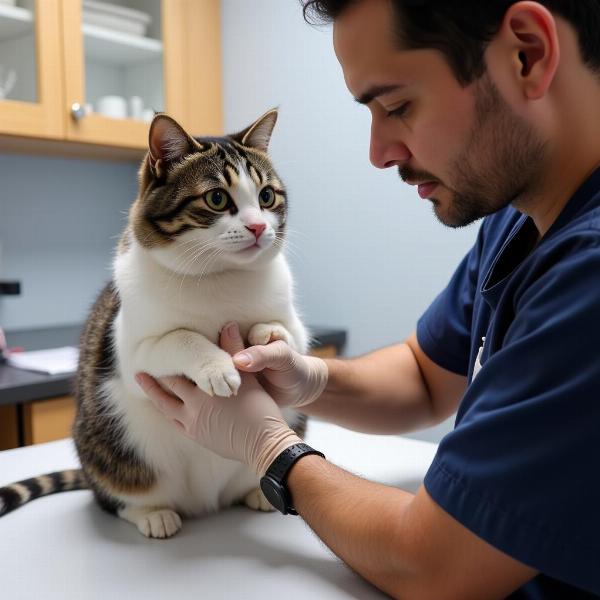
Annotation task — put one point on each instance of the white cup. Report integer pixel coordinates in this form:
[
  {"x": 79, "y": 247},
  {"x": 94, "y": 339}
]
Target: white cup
[
  {"x": 136, "y": 107},
  {"x": 114, "y": 107},
  {"x": 147, "y": 115}
]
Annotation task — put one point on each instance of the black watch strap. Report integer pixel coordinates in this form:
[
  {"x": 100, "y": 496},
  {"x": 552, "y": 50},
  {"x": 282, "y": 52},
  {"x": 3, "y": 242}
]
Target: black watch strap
[
  {"x": 278, "y": 472},
  {"x": 281, "y": 465}
]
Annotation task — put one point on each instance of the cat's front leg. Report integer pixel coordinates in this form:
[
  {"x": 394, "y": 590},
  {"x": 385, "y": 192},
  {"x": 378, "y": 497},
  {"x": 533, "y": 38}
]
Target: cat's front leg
[
  {"x": 185, "y": 352},
  {"x": 256, "y": 500},
  {"x": 262, "y": 334}
]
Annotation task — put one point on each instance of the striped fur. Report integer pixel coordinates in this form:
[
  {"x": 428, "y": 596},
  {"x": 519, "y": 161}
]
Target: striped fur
[
  {"x": 98, "y": 433},
  {"x": 17, "y": 494},
  {"x": 171, "y": 199}
]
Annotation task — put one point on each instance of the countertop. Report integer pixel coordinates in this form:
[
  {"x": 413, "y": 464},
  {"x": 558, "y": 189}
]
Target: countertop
[
  {"x": 18, "y": 386},
  {"x": 63, "y": 546}
]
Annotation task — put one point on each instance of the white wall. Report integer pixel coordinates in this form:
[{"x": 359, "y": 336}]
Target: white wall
[
  {"x": 60, "y": 220},
  {"x": 367, "y": 252}
]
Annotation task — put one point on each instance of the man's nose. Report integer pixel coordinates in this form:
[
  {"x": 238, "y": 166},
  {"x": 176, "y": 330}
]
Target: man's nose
[
  {"x": 385, "y": 151},
  {"x": 256, "y": 229}
]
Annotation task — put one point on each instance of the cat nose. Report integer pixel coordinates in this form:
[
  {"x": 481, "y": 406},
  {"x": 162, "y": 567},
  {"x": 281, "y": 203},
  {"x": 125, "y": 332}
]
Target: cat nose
[{"x": 256, "y": 229}]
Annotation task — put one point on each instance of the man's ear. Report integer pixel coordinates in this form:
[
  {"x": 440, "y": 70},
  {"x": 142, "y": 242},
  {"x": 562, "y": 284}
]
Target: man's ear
[
  {"x": 168, "y": 143},
  {"x": 530, "y": 29},
  {"x": 259, "y": 133}
]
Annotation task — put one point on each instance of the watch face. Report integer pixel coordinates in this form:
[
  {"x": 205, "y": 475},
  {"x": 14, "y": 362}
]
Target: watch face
[{"x": 274, "y": 493}]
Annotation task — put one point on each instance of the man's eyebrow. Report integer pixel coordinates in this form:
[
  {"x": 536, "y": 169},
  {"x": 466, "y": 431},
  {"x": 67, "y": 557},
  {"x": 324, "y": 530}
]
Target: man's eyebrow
[{"x": 376, "y": 91}]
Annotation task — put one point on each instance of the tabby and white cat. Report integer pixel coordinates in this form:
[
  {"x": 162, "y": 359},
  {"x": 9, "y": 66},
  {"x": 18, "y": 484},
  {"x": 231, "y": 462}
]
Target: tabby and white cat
[{"x": 202, "y": 248}]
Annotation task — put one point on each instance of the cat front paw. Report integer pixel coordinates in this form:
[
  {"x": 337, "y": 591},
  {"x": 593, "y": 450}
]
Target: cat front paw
[
  {"x": 158, "y": 523},
  {"x": 217, "y": 377},
  {"x": 256, "y": 500},
  {"x": 262, "y": 334}
]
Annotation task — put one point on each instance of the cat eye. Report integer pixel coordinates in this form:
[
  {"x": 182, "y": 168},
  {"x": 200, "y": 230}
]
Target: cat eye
[
  {"x": 267, "y": 197},
  {"x": 217, "y": 200}
]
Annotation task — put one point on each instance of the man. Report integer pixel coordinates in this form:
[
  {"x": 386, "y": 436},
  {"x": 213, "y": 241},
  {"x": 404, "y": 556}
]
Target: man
[{"x": 493, "y": 110}]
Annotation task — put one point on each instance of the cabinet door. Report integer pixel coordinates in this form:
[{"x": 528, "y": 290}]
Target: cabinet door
[
  {"x": 31, "y": 76},
  {"x": 193, "y": 75},
  {"x": 48, "y": 420},
  {"x": 137, "y": 58}
]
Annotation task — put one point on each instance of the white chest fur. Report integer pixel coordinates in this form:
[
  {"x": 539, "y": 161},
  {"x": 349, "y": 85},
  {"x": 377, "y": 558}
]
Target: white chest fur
[{"x": 156, "y": 301}]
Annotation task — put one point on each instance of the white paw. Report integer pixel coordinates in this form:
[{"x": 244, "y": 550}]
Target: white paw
[
  {"x": 256, "y": 501},
  {"x": 262, "y": 334},
  {"x": 217, "y": 377},
  {"x": 159, "y": 524},
  {"x": 152, "y": 522}
]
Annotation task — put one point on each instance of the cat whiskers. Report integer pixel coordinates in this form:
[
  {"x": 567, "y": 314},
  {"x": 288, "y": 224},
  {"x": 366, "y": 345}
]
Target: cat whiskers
[
  {"x": 185, "y": 268},
  {"x": 212, "y": 250},
  {"x": 195, "y": 246},
  {"x": 305, "y": 241},
  {"x": 283, "y": 243},
  {"x": 192, "y": 247},
  {"x": 290, "y": 232},
  {"x": 216, "y": 252},
  {"x": 195, "y": 251}
]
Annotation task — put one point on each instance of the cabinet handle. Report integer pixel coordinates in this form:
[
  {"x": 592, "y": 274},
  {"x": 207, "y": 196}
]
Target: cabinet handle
[{"x": 78, "y": 111}]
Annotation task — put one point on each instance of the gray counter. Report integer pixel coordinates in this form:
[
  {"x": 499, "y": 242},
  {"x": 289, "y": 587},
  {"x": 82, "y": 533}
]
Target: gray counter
[{"x": 18, "y": 386}]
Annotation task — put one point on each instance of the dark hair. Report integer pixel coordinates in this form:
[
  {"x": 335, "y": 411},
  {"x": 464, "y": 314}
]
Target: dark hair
[{"x": 461, "y": 30}]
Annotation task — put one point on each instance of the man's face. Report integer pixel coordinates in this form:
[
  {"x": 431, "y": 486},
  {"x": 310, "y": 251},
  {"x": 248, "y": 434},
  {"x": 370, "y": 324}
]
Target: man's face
[{"x": 466, "y": 148}]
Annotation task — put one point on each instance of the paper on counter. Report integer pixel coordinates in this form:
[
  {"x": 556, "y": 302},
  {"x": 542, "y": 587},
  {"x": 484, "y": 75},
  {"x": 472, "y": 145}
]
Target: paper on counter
[{"x": 53, "y": 361}]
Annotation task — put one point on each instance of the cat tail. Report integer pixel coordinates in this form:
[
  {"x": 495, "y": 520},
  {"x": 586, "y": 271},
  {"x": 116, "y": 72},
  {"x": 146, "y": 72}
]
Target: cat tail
[{"x": 16, "y": 494}]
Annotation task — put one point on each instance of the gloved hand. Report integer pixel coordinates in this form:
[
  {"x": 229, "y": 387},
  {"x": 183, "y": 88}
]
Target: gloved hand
[
  {"x": 290, "y": 378},
  {"x": 247, "y": 427}
]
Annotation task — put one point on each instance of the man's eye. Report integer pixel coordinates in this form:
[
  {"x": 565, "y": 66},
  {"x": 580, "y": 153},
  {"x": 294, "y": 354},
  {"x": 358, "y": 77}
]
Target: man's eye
[{"x": 400, "y": 111}]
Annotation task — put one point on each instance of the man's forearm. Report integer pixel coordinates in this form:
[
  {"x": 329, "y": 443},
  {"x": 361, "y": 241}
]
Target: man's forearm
[
  {"x": 382, "y": 392},
  {"x": 355, "y": 518},
  {"x": 404, "y": 544}
]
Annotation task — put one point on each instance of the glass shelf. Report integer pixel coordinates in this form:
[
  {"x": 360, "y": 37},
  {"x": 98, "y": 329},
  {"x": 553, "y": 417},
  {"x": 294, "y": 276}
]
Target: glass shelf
[
  {"x": 116, "y": 48},
  {"x": 14, "y": 22},
  {"x": 101, "y": 44},
  {"x": 127, "y": 66},
  {"x": 18, "y": 66}
]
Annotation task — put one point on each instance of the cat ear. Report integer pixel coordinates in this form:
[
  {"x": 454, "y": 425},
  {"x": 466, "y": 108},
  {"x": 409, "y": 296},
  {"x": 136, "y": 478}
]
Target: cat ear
[
  {"x": 168, "y": 143},
  {"x": 259, "y": 133}
]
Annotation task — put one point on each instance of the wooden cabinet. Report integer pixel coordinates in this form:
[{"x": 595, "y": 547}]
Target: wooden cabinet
[
  {"x": 36, "y": 422},
  {"x": 175, "y": 67},
  {"x": 34, "y": 43},
  {"x": 9, "y": 427},
  {"x": 48, "y": 420}
]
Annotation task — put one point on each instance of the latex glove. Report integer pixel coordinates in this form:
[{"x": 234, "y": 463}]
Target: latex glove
[
  {"x": 248, "y": 427},
  {"x": 290, "y": 378}
]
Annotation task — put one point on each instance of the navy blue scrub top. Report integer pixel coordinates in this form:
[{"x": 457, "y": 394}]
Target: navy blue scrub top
[{"x": 521, "y": 469}]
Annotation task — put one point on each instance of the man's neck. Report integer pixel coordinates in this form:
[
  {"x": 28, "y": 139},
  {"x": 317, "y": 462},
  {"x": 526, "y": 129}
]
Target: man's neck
[
  {"x": 573, "y": 156},
  {"x": 554, "y": 193}
]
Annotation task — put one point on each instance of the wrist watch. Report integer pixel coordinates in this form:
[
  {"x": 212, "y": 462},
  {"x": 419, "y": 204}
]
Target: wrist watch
[{"x": 273, "y": 484}]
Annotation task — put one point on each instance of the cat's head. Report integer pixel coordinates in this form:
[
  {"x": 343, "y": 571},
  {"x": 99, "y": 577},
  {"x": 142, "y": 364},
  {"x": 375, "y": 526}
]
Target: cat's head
[{"x": 209, "y": 204}]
